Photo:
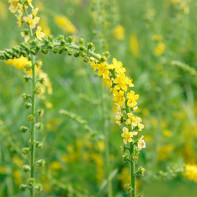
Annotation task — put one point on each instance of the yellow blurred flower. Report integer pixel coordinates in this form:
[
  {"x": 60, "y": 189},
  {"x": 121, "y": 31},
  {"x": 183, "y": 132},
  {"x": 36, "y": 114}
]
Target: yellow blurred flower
[
  {"x": 45, "y": 27},
  {"x": 56, "y": 165},
  {"x": 3, "y": 11},
  {"x": 2, "y": 170},
  {"x": 65, "y": 24},
  {"x": 134, "y": 45},
  {"x": 191, "y": 172},
  {"x": 17, "y": 177},
  {"x": 118, "y": 32},
  {"x": 17, "y": 161},
  {"x": 159, "y": 50}
]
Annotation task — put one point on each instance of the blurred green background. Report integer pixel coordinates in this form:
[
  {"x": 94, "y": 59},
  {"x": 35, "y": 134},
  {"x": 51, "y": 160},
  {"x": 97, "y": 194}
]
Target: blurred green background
[{"x": 156, "y": 42}]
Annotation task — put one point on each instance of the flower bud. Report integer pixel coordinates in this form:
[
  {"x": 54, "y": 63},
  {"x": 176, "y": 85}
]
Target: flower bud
[
  {"x": 38, "y": 144},
  {"x": 31, "y": 117},
  {"x": 69, "y": 39},
  {"x": 76, "y": 54},
  {"x": 106, "y": 54},
  {"x": 27, "y": 78},
  {"x": 25, "y": 150},
  {"x": 27, "y": 67},
  {"x": 40, "y": 163},
  {"x": 31, "y": 182},
  {"x": 70, "y": 52},
  {"x": 81, "y": 41},
  {"x": 39, "y": 125},
  {"x": 27, "y": 105},
  {"x": 23, "y": 187},
  {"x": 24, "y": 129},
  {"x": 50, "y": 38},
  {"x": 86, "y": 59},
  {"x": 26, "y": 168},
  {"x": 128, "y": 187},
  {"x": 25, "y": 96},
  {"x": 38, "y": 187},
  {"x": 90, "y": 45},
  {"x": 37, "y": 90},
  {"x": 41, "y": 112}
]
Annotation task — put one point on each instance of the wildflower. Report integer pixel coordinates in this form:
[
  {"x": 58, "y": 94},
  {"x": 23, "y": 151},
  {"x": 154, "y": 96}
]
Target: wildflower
[
  {"x": 127, "y": 135},
  {"x": 15, "y": 6},
  {"x": 159, "y": 50},
  {"x": 117, "y": 66},
  {"x": 118, "y": 32},
  {"x": 141, "y": 143},
  {"x": 119, "y": 97},
  {"x": 122, "y": 82},
  {"x": 39, "y": 33},
  {"x": 103, "y": 69},
  {"x": 132, "y": 99},
  {"x": 31, "y": 20}
]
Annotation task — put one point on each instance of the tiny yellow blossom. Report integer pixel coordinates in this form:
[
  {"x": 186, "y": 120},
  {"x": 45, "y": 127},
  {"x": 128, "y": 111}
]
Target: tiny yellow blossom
[
  {"x": 31, "y": 20},
  {"x": 119, "y": 97},
  {"x": 127, "y": 135}
]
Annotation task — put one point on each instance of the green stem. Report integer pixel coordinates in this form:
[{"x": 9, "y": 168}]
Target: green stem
[
  {"x": 33, "y": 124},
  {"x": 132, "y": 166},
  {"x": 32, "y": 193},
  {"x": 132, "y": 162}
]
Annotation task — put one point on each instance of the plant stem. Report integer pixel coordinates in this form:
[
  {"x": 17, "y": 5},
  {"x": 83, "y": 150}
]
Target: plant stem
[
  {"x": 132, "y": 166},
  {"x": 32, "y": 193},
  {"x": 132, "y": 162},
  {"x": 33, "y": 124}
]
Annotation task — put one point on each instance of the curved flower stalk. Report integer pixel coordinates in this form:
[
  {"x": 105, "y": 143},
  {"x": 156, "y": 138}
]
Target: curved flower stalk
[{"x": 113, "y": 75}]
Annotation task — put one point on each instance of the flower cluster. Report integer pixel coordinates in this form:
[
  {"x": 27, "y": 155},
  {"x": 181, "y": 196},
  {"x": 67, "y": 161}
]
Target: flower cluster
[
  {"x": 21, "y": 7},
  {"x": 126, "y": 100}
]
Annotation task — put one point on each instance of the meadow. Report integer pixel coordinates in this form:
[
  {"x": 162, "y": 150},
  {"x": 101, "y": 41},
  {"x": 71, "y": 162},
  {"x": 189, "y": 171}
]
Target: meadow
[{"x": 98, "y": 98}]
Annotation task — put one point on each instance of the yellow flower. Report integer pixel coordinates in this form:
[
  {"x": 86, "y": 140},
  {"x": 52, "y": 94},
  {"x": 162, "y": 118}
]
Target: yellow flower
[
  {"x": 118, "y": 32},
  {"x": 122, "y": 82},
  {"x": 191, "y": 172},
  {"x": 127, "y": 135},
  {"x": 31, "y": 20},
  {"x": 39, "y": 33},
  {"x": 65, "y": 24},
  {"x": 119, "y": 97},
  {"x": 141, "y": 143},
  {"x": 15, "y": 6},
  {"x": 134, "y": 45},
  {"x": 117, "y": 65},
  {"x": 132, "y": 99},
  {"x": 159, "y": 50},
  {"x": 103, "y": 69}
]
